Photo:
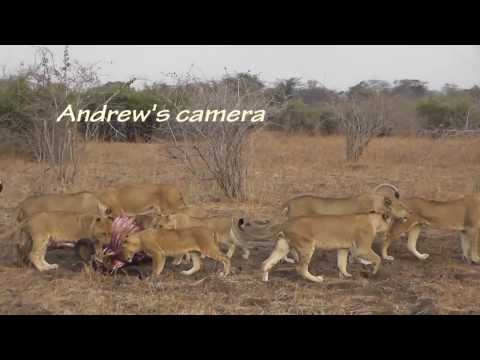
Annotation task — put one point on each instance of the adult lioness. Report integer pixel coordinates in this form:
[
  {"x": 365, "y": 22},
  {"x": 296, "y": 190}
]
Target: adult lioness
[
  {"x": 137, "y": 198},
  {"x": 226, "y": 227},
  {"x": 160, "y": 243},
  {"x": 361, "y": 204},
  {"x": 343, "y": 233},
  {"x": 45, "y": 229},
  {"x": 81, "y": 202},
  {"x": 461, "y": 214}
]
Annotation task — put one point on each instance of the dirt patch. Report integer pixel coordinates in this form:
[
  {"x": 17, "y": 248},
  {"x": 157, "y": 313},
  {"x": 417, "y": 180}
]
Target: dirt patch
[{"x": 283, "y": 167}]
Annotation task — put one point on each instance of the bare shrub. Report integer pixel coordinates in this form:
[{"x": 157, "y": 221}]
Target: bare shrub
[
  {"x": 361, "y": 120},
  {"x": 217, "y": 150},
  {"x": 57, "y": 146}
]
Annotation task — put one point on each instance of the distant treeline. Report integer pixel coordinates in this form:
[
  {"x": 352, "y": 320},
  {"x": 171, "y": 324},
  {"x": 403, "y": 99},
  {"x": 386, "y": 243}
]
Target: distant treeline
[{"x": 305, "y": 106}]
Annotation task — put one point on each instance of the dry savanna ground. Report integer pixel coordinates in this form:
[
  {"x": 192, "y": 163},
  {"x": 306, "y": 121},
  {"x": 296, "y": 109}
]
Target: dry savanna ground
[{"x": 282, "y": 167}]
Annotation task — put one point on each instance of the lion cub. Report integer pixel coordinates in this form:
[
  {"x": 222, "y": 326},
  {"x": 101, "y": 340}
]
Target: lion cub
[
  {"x": 160, "y": 243},
  {"x": 343, "y": 233},
  {"x": 226, "y": 227}
]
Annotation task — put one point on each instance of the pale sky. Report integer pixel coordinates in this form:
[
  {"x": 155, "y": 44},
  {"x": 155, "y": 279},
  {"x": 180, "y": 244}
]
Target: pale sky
[{"x": 336, "y": 66}]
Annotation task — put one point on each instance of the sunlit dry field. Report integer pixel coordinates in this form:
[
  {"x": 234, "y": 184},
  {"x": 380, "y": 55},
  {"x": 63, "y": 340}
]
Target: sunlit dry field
[{"x": 282, "y": 166}]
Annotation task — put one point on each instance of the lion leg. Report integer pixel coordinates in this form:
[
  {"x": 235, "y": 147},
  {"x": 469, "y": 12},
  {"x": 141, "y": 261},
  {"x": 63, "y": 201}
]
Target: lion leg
[
  {"x": 158, "y": 264},
  {"x": 293, "y": 259},
  {"x": 352, "y": 257},
  {"x": 246, "y": 253},
  {"x": 181, "y": 259},
  {"x": 465, "y": 244},
  {"x": 197, "y": 264},
  {"x": 217, "y": 255},
  {"x": 384, "y": 248},
  {"x": 35, "y": 259},
  {"x": 279, "y": 252},
  {"x": 370, "y": 255},
  {"x": 240, "y": 243},
  {"x": 178, "y": 260},
  {"x": 412, "y": 242},
  {"x": 37, "y": 255},
  {"x": 472, "y": 239},
  {"x": 302, "y": 267},
  {"x": 342, "y": 256},
  {"x": 231, "y": 251}
]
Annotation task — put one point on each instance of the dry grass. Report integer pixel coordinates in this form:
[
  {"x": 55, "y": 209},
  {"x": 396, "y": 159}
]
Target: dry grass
[{"x": 283, "y": 166}]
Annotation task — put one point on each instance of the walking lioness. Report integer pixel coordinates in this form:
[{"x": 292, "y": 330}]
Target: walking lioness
[
  {"x": 461, "y": 215},
  {"x": 343, "y": 233},
  {"x": 360, "y": 204},
  {"x": 160, "y": 243}
]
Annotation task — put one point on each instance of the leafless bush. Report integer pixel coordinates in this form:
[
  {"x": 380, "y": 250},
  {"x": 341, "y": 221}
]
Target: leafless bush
[
  {"x": 360, "y": 122},
  {"x": 217, "y": 150},
  {"x": 56, "y": 145}
]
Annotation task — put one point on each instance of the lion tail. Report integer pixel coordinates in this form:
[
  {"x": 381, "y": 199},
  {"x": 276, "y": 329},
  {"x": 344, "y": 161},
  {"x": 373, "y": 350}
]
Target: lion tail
[{"x": 24, "y": 245}]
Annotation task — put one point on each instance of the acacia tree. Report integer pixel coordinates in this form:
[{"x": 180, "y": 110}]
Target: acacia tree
[
  {"x": 361, "y": 120},
  {"x": 56, "y": 145},
  {"x": 218, "y": 148}
]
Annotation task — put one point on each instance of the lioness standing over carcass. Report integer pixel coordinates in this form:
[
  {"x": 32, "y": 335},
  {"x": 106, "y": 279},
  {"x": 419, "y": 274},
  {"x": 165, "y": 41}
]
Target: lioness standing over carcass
[
  {"x": 81, "y": 202},
  {"x": 343, "y": 233},
  {"x": 137, "y": 198},
  {"x": 160, "y": 243},
  {"x": 44, "y": 229},
  {"x": 226, "y": 227},
  {"x": 461, "y": 215}
]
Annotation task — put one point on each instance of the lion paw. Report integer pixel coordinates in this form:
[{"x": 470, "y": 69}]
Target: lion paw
[
  {"x": 388, "y": 257},
  {"x": 50, "y": 267},
  {"x": 423, "y": 256},
  {"x": 365, "y": 262}
]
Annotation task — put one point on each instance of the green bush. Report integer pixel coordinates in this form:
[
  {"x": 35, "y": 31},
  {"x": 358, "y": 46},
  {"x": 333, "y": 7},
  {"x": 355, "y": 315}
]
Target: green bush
[{"x": 300, "y": 117}]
